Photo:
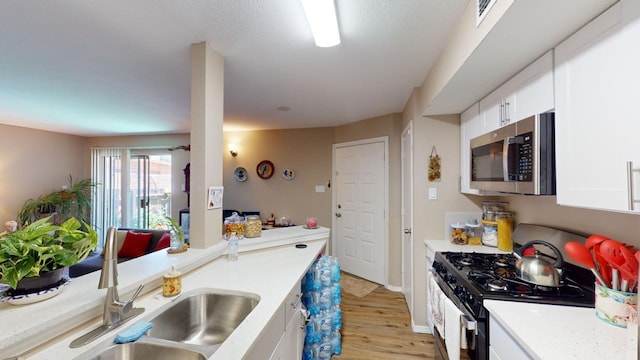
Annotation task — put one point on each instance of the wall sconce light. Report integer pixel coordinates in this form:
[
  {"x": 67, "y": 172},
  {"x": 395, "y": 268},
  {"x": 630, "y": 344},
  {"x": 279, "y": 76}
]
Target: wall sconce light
[{"x": 233, "y": 149}]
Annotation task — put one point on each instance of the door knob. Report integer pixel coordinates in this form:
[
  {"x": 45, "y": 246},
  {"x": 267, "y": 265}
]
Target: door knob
[
  {"x": 407, "y": 231},
  {"x": 338, "y": 214}
]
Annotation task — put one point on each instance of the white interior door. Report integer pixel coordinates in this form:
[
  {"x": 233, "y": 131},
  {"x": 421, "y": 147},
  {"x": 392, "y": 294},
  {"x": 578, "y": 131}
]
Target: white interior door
[
  {"x": 360, "y": 206},
  {"x": 406, "y": 154}
]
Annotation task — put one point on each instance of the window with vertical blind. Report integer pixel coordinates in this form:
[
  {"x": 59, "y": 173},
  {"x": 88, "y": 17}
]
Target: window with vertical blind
[{"x": 106, "y": 200}]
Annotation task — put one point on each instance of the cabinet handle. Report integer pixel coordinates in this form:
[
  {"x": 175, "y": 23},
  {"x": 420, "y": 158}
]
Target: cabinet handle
[
  {"x": 295, "y": 303},
  {"x": 507, "y": 118},
  {"x": 501, "y": 117},
  {"x": 630, "y": 193}
]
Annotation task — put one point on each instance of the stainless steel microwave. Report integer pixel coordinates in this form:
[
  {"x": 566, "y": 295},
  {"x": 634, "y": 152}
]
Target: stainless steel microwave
[{"x": 518, "y": 158}]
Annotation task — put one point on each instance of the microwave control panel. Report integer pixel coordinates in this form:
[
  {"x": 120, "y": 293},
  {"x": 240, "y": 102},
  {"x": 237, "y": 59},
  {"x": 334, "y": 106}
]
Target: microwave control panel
[{"x": 525, "y": 157}]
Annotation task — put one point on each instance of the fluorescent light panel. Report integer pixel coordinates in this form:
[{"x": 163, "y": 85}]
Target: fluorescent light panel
[{"x": 321, "y": 15}]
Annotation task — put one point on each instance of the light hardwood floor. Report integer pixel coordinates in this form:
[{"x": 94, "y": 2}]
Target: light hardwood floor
[{"x": 378, "y": 326}]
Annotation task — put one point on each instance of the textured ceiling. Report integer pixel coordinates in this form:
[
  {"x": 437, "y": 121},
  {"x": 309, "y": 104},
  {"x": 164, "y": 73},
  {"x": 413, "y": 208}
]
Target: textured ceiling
[{"x": 123, "y": 67}]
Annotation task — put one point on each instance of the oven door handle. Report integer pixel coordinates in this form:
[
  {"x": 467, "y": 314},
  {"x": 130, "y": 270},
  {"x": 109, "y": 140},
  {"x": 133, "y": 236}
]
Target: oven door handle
[{"x": 467, "y": 319}]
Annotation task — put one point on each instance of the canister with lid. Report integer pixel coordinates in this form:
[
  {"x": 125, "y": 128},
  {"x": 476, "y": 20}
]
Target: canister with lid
[
  {"x": 490, "y": 233},
  {"x": 474, "y": 232},
  {"x": 253, "y": 226},
  {"x": 505, "y": 229},
  {"x": 457, "y": 234},
  {"x": 234, "y": 224}
]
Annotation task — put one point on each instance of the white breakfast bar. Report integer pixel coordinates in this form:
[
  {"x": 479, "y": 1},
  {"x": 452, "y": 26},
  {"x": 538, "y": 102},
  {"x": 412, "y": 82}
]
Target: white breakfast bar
[{"x": 268, "y": 266}]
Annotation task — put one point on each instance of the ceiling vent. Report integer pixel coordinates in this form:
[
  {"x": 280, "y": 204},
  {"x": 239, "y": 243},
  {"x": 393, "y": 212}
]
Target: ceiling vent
[{"x": 483, "y": 7}]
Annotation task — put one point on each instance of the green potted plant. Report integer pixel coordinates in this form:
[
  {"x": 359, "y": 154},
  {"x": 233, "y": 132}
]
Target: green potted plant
[
  {"x": 41, "y": 250},
  {"x": 72, "y": 201}
]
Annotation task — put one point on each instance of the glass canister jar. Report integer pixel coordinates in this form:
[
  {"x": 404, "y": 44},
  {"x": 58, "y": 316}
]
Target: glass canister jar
[
  {"x": 234, "y": 224},
  {"x": 458, "y": 234},
  {"x": 474, "y": 232},
  {"x": 253, "y": 226},
  {"x": 490, "y": 233},
  {"x": 505, "y": 229}
]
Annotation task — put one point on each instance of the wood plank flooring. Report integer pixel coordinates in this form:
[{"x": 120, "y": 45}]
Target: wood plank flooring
[{"x": 378, "y": 326}]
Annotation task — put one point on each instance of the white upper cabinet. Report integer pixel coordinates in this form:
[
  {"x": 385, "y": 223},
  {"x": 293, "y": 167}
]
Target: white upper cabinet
[
  {"x": 469, "y": 128},
  {"x": 597, "y": 83},
  {"x": 527, "y": 93}
]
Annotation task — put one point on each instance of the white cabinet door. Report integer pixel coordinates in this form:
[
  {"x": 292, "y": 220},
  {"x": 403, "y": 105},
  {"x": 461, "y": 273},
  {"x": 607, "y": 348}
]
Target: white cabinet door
[
  {"x": 502, "y": 345},
  {"x": 469, "y": 128},
  {"x": 527, "y": 93},
  {"x": 597, "y": 127},
  {"x": 294, "y": 335},
  {"x": 279, "y": 351},
  {"x": 534, "y": 89}
]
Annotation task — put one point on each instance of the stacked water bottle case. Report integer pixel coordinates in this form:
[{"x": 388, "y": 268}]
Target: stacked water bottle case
[{"x": 321, "y": 296}]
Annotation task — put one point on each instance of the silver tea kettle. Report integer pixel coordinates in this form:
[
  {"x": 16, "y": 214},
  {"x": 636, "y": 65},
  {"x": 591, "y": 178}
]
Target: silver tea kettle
[{"x": 538, "y": 269}]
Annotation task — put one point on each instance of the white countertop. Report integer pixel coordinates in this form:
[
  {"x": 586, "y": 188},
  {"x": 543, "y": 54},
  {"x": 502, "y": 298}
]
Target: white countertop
[
  {"x": 561, "y": 332},
  {"x": 78, "y": 308}
]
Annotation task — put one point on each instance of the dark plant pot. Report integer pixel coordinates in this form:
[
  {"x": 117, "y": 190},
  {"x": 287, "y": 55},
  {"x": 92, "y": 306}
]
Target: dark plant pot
[{"x": 45, "y": 281}]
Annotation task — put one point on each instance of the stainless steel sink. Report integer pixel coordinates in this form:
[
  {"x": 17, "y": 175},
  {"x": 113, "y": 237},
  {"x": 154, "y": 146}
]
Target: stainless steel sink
[
  {"x": 203, "y": 318},
  {"x": 193, "y": 326},
  {"x": 142, "y": 350}
]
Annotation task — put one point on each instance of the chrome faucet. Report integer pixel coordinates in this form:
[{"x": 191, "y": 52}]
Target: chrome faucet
[{"x": 115, "y": 312}]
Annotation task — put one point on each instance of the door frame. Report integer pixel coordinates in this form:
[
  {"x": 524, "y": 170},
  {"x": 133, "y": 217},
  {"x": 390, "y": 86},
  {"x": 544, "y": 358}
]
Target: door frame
[
  {"x": 408, "y": 131},
  {"x": 334, "y": 196}
]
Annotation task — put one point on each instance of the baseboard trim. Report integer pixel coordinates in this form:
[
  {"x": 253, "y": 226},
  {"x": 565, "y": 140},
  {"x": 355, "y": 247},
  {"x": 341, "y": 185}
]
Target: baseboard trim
[
  {"x": 393, "y": 288},
  {"x": 422, "y": 329}
]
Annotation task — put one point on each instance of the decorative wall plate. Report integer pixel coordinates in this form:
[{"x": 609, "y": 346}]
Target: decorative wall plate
[
  {"x": 240, "y": 173},
  {"x": 288, "y": 174},
  {"x": 265, "y": 169}
]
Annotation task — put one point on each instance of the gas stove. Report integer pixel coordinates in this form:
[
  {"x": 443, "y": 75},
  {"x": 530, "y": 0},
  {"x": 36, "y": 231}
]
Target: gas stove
[{"x": 473, "y": 277}]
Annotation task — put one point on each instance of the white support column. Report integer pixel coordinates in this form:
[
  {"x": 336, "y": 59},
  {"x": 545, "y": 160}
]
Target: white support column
[{"x": 207, "y": 105}]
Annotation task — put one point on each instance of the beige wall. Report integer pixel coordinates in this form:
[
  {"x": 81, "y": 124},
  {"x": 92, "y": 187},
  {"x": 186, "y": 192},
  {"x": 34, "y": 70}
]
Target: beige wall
[
  {"x": 305, "y": 151},
  {"x": 465, "y": 39},
  {"x": 35, "y": 162},
  {"x": 543, "y": 210},
  {"x": 443, "y": 132},
  {"x": 391, "y": 126}
]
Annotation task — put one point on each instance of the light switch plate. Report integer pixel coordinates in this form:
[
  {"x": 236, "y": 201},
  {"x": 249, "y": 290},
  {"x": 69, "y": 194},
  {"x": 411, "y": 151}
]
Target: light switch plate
[
  {"x": 319, "y": 188},
  {"x": 433, "y": 193}
]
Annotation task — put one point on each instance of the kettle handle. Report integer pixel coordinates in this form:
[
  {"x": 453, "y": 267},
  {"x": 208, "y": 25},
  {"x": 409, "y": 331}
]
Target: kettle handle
[{"x": 559, "y": 261}]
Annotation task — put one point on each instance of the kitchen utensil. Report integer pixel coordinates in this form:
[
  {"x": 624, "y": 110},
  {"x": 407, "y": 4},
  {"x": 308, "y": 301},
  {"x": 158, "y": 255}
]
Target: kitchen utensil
[
  {"x": 537, "y": 269},
  {"x": 630, "y": 260},
  {"x": 593, "y": 245},
  {"x": 579, "y": 253},
  {"x": 610, "y": 250}
]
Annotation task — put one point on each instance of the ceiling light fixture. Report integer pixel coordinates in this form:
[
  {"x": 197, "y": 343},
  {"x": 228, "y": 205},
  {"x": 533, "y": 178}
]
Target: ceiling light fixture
[{"x": 321, "y": 15}]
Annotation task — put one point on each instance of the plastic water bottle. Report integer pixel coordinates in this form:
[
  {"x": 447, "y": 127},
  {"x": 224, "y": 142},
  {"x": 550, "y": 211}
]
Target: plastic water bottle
[{"x": 233, "y": 247}]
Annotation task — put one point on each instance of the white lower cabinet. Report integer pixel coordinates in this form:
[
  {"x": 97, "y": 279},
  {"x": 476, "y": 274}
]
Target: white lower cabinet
[
  {"x": 502, "y": 345},
  {"x": 596, "y": 80},
  {"x": 283, "y": 337}
]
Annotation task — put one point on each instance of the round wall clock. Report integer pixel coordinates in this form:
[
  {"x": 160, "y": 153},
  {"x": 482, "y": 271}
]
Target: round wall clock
[{"x": 265, "y": 169}]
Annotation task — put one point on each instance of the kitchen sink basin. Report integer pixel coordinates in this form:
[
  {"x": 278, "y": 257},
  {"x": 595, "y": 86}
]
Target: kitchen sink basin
[
  {"x": 193, "y": 326},
  {"x": 141, "y": 350},
  {"x": 205, "y": 317}
]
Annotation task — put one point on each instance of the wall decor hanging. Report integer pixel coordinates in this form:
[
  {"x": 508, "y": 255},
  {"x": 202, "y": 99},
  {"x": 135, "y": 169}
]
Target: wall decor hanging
[
  {"x": 240, "y": 174},
  {"x": 434, "y": 165},
  {"x": 288, "y": 174},
  {"x": 265, "y": 169}
]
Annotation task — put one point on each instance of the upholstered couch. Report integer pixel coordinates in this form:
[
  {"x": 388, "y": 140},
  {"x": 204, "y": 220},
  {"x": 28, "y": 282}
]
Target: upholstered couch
[{"x": 132, "y": 243}]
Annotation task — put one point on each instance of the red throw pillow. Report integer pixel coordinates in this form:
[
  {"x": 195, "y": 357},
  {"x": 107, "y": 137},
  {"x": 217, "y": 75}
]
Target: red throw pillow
[
  {"x": 135, "y": 244},
  {"x": 164, "y": 242}
]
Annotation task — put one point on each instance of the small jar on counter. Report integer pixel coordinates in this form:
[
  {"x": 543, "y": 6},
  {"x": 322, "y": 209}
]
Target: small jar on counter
[
  {"x": 505, "y": 229},
  {"x": 490, "y": 233},
  {"x": 474, "y": 232},
  {"x": 234, "y": 224},
  {"x": 253, "y": 226},
  {"x": 458, "y": 234}
]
